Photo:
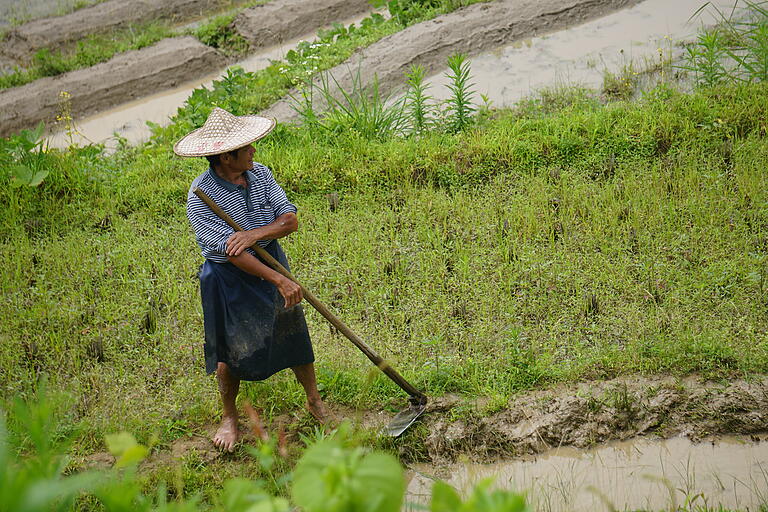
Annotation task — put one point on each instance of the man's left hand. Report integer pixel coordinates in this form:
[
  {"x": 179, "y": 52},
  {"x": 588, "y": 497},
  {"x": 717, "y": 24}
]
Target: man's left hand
[{"x": 240, "y": 241}]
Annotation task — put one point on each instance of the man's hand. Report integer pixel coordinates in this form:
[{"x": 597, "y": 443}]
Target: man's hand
[
  {"x": 240, "y": 241},
  {"x": 290, "y": 291}
]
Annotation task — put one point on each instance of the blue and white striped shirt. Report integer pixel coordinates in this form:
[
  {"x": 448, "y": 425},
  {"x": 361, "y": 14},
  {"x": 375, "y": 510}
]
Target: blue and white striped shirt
[{"x": 259, "y": 204}]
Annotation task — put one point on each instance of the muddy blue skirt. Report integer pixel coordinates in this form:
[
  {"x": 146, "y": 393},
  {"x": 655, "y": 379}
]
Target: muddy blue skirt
[{"x": 246, "y": 324}]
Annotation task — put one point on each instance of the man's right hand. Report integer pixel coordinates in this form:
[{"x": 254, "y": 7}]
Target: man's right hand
[{"x": 290, "y": 291}]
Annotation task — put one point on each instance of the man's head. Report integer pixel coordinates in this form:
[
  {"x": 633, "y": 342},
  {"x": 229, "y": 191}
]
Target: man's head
[
  {"x": 222, "y": 134},
  {"x": 240, "y": 159}
]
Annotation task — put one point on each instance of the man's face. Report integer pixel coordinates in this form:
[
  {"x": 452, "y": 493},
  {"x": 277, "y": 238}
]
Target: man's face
[{"x": 243, "y": 159}]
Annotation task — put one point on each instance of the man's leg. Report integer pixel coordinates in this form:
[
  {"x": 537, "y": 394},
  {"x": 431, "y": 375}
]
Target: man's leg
[
  {"x": 227, "y": 434},
  {"x": 305, "y": 374}
]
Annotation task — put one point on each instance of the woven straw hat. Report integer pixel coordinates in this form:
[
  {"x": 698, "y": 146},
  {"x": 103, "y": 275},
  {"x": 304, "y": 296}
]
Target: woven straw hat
[{"x": 223, "y": 132}]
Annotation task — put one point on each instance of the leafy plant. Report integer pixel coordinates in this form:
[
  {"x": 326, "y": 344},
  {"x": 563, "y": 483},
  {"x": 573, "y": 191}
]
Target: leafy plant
[
  {"x": 460, "y": 108},
  {"x": 482, "y": 499},
  {"x": 330, "y": 478},
  {"x": 25, "y": 157},
  {"x": 736, "y": 50},
  {"x": 417, "y": 100},
  {"x": 219, "y": 33}
]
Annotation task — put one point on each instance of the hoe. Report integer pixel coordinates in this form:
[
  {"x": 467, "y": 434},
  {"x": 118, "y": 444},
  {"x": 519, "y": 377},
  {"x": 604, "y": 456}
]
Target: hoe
[{"x": 417, "y": 400}]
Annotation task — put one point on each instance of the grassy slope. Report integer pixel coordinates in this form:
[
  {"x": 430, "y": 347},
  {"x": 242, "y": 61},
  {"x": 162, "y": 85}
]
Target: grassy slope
[{"x": 586, "y": 242}]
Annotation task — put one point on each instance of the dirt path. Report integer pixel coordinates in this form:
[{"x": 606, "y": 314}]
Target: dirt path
[{"x": 470, "y": 30}]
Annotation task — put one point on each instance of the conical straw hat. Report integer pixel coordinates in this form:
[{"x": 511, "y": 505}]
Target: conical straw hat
[{"x": 223, "y": 132}]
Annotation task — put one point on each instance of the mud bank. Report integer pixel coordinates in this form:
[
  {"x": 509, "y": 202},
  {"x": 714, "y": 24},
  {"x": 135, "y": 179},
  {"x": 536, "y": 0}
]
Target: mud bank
[
  {"x": 54, "y": 32},
  {"x": 128, "y": 76},
  {"x": 579, "y": 416},
  {"x": 278, "y": 21},
  {"x": 587, "y": 414},
  {"x": 171, "y": 62},
  {"x": 470, "y": 30}
]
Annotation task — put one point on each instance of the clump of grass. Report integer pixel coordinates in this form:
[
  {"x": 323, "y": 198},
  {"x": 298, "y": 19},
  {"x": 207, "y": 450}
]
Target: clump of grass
[
  {"x": 735, "y": 50},
  {"x": 362, "y": 110},
  {"x": 218, "y": 33},
  {"x": 619, "y": 86}
]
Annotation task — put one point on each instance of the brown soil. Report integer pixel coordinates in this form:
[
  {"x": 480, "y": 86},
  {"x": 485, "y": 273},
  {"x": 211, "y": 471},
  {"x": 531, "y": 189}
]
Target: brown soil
[
  {"x": 589, "y": 413},
  {"x": 54, "y": 32},
  {"x": 470, "y": 30},
  {"x": 128, "y": 76},
  {"x": 580, "y": 415},
  {"x": 278, "y": 21}
]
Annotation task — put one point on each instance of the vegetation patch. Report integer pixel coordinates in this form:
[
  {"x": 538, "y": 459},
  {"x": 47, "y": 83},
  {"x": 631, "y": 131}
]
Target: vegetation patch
[{"x": 562, "y": 241}]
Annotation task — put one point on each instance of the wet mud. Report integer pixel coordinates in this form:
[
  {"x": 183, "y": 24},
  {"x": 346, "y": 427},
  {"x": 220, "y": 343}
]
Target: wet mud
[
  {"x": 278, "y": 21},
  {"x": 470, "y": 30},
  {"x": 591, "y": 413}
]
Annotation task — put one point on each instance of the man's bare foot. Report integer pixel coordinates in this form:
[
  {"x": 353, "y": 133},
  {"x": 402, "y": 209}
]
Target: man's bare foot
[
  {"x": 318, "y": 411},
  {"x": 227, "y": 435}
]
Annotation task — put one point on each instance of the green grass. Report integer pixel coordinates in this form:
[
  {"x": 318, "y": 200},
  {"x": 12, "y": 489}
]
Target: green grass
[
  {"x": 559, "y": 241},
  {"x": 537, "y": 248}
]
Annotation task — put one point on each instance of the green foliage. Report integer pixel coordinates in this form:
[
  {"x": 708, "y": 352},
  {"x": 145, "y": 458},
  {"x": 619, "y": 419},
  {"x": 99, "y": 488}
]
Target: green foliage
[
  {"x": 330, "y": 478},
  {"x": 362, "y": 110},
  {"x": 734, "y": 51},
  {"x": 25, "y": 159},
  {"x": 460, "y": 108},
  {"x": 482, "y": 499},
  {"x": 407, "y": 12},
  {"x": 417, "y": 100},
  {"x": 219, "y": 33}
]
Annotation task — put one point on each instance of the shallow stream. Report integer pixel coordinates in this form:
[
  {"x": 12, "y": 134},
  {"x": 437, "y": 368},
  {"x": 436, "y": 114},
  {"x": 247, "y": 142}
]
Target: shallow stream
[{"x": 629, "y": 475}]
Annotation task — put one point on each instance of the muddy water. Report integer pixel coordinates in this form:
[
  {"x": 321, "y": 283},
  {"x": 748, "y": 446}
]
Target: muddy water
[
  {"x": 130, "y": 120},
  {"x": 637, "y": 474},
  {"x": 581, "y": 54}
]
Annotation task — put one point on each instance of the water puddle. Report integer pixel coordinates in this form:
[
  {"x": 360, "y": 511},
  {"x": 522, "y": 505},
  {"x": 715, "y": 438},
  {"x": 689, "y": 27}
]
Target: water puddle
[
  {"x": 581, "y": 54},
  {"x": 129, "y": 120},
  {"x": 630, "y": 475}
]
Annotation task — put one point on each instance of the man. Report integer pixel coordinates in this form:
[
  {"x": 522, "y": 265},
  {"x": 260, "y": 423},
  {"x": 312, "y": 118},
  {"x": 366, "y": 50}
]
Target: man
[{"x": 254, "y": 325}]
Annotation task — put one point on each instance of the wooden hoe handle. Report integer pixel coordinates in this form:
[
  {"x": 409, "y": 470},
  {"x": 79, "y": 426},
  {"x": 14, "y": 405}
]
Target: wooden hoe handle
[{"x": 319, "y": 306}]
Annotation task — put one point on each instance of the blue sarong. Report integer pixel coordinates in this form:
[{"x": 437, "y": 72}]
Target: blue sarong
[{"x": 246, "y": 324}]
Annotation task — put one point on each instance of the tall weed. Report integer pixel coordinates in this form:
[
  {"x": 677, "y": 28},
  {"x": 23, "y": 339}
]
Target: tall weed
[
  {"x": 735, "y": 51},
  {"x": 362, "y": 109}
]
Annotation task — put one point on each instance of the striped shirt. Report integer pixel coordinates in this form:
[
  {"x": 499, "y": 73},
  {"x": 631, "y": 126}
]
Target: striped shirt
[{"x": 256, "y": 205}]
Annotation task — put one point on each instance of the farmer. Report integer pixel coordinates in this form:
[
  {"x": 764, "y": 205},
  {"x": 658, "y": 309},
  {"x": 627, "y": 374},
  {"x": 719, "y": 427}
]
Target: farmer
[{"x": 254, "y": 325}]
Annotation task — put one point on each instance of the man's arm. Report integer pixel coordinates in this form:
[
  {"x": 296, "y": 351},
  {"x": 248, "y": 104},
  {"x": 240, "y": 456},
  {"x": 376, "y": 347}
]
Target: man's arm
[
  {"x": 284, "y": 225},
  {"x": 247, "y": 262}
]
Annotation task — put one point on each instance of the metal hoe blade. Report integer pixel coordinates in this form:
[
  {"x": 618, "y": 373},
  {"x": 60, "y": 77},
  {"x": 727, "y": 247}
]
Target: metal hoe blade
[{"x": 405, "y": 418}]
